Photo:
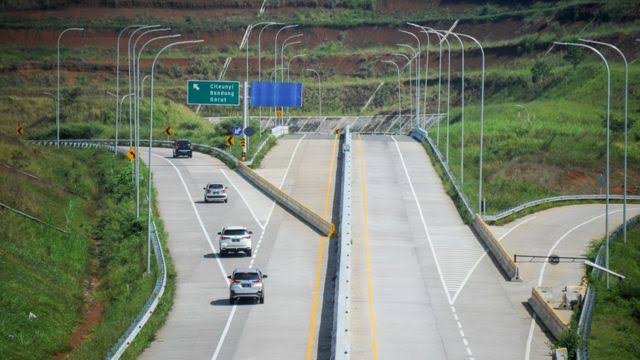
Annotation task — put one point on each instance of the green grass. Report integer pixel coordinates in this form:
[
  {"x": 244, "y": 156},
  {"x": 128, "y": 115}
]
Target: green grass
[
  {"x": 46, "y": 272},
  {"x": 615, "y": 329},
  {"x": 529, "y": 159}
]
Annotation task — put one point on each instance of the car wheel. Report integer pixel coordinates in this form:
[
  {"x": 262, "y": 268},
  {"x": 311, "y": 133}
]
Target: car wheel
[
  {"x": 190, "y": 155},
  {"x": 223, "y": 253},
  {"x": 225, "y": 201},
  {"x": 249, "y": 252},
  {"x": 261, "y": 299},
  {"x": 205, "y": 200},
  {"x": 231, "y": 299}
]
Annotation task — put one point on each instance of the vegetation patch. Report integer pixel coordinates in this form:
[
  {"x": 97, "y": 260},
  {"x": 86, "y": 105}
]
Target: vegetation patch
[{"x": 615, "y": 329}]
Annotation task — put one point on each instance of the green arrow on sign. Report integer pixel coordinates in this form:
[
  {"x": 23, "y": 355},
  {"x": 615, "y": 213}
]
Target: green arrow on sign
[{"x": 204, "y": 92}]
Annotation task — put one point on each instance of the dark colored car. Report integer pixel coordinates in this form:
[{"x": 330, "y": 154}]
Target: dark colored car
[{"x": 182, "y": 148}]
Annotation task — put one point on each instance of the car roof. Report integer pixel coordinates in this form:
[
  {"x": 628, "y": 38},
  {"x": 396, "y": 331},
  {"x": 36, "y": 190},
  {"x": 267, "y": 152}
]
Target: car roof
[
  {"x": 215, "y": 184},
  {"x": 246, "y": 270},
  {"x": 235, "y": 228},
  {"x": 181, "y": 140}
]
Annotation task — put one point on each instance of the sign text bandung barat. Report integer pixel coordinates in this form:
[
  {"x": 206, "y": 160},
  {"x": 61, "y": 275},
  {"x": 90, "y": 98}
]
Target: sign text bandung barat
[{"x": 203, "y": 92}]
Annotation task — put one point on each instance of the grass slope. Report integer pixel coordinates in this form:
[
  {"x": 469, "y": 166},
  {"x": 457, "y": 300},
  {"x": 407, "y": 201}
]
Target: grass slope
[
  {"x": 48, "y": 273},
  {"x": 615, "y": 330}
]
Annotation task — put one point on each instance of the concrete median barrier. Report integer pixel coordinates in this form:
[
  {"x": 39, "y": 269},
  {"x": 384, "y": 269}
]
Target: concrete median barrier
[
  {"x": 497, "y": 251},
  {"x": 546, "y": 313},
  {"x": 289, "y": 203}
]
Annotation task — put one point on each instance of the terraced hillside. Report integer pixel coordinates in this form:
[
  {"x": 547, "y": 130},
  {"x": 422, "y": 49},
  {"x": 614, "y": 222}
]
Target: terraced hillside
[{"x": 346, "y": 41}]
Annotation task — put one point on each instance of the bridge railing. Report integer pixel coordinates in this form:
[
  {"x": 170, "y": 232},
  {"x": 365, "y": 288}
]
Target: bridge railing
[{"x": 341, "y": 338}]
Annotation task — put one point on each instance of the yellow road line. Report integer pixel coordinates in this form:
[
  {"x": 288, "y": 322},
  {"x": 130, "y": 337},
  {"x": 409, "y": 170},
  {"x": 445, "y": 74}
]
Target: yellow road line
[
  {"x": 316, "y": 285},
  {"x": 367, "y": 252}
]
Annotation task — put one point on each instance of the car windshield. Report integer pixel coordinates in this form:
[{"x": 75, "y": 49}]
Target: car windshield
[
  {"x": 234, "y": 232},
  {"x": 246, "y": 276},
  {"x": 215, "y": 186},
  {"x": 182, "y": 144}
]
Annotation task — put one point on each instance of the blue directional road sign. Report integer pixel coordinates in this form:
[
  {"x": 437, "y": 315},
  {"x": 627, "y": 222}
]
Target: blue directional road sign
[
  {"x": 237, "y": 130},
  {"x": 283, "y": 94},
  {"x": 248, "y": 131}
]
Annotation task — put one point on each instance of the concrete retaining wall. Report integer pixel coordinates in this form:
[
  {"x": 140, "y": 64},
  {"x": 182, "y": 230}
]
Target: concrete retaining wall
[
  {"x": 283, "y": 199},
  {"x": 546, "y": 313},
  {"x": 499, "y": 253}
]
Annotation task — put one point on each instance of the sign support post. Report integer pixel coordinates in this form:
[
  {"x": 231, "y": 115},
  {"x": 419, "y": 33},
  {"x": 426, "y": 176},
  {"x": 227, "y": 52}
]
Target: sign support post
[{"x": 245, "y": 116}]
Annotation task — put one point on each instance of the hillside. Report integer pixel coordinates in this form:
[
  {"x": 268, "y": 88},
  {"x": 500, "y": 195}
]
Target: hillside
[
  {"x": 346, "y": 42},
  {"x": 70, "y": 287}
]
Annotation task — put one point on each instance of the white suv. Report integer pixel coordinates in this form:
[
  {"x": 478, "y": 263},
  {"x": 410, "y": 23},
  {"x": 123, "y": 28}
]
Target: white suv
[
  {"x": 235, "y": 239},
  {"x": 246, "y": 283},
  {"x": 215, "y": 192}
]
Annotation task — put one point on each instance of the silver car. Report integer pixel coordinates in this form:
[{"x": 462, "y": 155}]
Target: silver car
[
  {"x": 235, "y": 239},
  {"x": 215, "y": 192},
  {"x": 246, "y": 283}
]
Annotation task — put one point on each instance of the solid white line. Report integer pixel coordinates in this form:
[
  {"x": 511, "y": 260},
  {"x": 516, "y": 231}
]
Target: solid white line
[
  {"x": 473, "y": 268},
  {"x": 195, "y": 210},
  {"x": 243, "y": 199},
  {"x": 424, "y": 224},
  {"x": 264, "y": 230},
  {"x": 433, "y": 252},
  {"x": 544, "y": 265}
]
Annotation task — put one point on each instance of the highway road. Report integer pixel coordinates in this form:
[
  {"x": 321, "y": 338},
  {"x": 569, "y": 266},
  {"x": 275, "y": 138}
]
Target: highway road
[
  {"x": 202, "y": 323},
  {"x": 419, "y": 288},
  {"x": 563, "y": 231}
]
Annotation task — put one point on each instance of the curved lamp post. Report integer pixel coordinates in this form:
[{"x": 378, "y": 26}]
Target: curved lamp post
[
  {"x": 626, "y": 127},
  {"x": 417, "y": 72},
  {"x": 153, "y": 66},
  {"x": 319, "y": 90},
  {"x": 399, "y": 98},
  {"x": 119, "y": 103},
  {"x": 410, "y": 96},
  {"x": 58, "y": 87},
  {"x": 606, "y": 222}
]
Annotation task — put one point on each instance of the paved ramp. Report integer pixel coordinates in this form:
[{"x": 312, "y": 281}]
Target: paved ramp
[
  {"x": 202, "y": 323},
  {"x": 412, "y": 259}
]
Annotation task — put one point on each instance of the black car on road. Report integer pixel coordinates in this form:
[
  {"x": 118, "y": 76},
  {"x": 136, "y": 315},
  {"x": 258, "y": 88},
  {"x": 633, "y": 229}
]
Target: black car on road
[{"x": 182, "y": 148}]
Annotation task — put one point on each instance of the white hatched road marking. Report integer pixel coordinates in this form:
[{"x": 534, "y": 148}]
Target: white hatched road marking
[{"x": 435, "y": 255}]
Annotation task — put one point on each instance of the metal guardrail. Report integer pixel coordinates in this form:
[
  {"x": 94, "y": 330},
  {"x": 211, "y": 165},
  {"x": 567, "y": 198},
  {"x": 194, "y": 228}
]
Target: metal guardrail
[
  {"x": 341, "y": 338},
  {"x": 421, "y": 135},
  {"x": 515, "y": 209},
  {"x": 161, "y": 281},
  {"x": 588, "y": 306},
  {"x": 150, "y": 306}
]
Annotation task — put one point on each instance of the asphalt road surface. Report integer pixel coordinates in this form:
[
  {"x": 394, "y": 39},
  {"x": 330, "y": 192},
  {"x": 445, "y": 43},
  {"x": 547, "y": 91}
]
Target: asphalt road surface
[{"x": 203, "y": 324}]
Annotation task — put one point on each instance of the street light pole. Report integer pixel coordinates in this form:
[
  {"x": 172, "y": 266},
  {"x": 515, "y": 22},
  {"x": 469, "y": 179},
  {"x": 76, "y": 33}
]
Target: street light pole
[
  {"x": 58, "y": 87},
  {"x": 626, "y": 127},
  {"x": 417, "y": 73},
  {"x": 275, "y": 45},
  {"x": 410, "y": 96},
  {"x": 399, "y": 98},
  {"x": 260, "y": 68},
  {"x": 118, "y": 104},
  {"x": 285, "y": 44},
  {"x": 606, "y": 222},
  {"x": 481, "y": 118},
  {"x": 131, "y": 73},
  {"x": 153, "y": 66},
  {"x": 136, "y": 111},
  {"x": 289, "y": 64},
  {"x": 319, "y": 90},
  {"x": 142, "y": 87}
]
